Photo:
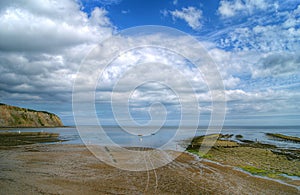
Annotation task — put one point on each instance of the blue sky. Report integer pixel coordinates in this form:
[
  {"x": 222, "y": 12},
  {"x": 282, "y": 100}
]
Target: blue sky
[
  {"x": 254, "y": 43},
  {"x": 126, "y": 14}
]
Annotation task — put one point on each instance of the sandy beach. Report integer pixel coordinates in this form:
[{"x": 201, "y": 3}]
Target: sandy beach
[{"x": 72, "y": 169}]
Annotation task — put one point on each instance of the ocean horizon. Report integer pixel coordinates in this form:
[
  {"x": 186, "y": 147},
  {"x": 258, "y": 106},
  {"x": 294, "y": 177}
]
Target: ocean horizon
[{"x": 119, "y": 136}]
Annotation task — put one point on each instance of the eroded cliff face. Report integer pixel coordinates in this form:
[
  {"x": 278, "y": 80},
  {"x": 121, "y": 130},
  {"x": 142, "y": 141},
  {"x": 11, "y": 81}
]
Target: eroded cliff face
[{"x": 12, "y": 116}]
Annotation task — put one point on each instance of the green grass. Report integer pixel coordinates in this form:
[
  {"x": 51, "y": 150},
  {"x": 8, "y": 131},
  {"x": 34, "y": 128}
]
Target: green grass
[
  {"x": 255, "y": 171},
  {"x": 208, "y": 156},
  {"x": 193, "y": 151},
  {"x": 268, "y": 173},
  {"x": 202, "y": 155}
]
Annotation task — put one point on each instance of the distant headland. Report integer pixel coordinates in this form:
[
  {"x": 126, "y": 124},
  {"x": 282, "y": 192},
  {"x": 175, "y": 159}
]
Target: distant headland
[{"x": 12, "y": 116}]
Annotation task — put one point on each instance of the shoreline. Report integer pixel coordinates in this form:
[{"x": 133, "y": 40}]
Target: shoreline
[
  {"x": 68, "y": 169},
  {"x": 34, "y": 127},
  {"x": 242, "y": 170},
  {"x": 256, "y": 158},
  {"x": 267, "y": 162}
]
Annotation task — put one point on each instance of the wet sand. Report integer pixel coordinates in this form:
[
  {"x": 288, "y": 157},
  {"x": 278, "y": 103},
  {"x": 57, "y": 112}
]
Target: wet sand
[{"x": 72, "y": 169}]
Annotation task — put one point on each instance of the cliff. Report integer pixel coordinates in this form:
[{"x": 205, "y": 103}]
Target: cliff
[{"x": 12, "y": 116}]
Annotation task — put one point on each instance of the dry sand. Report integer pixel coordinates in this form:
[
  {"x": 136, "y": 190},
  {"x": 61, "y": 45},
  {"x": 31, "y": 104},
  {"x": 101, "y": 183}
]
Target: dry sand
[{"x": 72, "y": 169}]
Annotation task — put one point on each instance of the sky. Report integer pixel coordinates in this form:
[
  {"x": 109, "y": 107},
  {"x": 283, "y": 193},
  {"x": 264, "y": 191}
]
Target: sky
[{"x": 254, "y": 45}]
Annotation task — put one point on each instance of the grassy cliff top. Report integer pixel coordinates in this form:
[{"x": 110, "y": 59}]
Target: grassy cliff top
[{"x": 13, "y": 116}]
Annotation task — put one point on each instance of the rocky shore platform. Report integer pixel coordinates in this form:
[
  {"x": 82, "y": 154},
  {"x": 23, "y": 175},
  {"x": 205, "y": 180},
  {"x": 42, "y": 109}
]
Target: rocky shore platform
[{"x": 72, "y": 169}]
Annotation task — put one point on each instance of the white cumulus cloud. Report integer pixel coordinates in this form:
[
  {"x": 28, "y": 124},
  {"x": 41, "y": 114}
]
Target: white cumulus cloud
[
  {"x": 232, "y": 8},
  {"x": 191, "y": 15}
]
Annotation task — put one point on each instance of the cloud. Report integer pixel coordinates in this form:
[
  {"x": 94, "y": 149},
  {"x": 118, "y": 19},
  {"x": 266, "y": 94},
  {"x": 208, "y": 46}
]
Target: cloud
[
  {"x": 262, "y": 38},
  {"x": 31, "y": 27},
  {"x": 103, "y": 2},
  {"x": 128, "y": 76},
  {"x": 99, "y": 17},
  {"x": 275, "y": 30},
  {"x": 191, "y": 15},
  {"x": 164, "y": 65},
  {"x": 232, "y": 8},
  {"x": 269, "y": 102},
  {"x": 109, "y": 2},
  {"x": 278, "y": 64},
  {"x": 292, "y": 20},
  {"x": 125, "y": 11},
  {"x": 42, "y": 46},
  {"x": 50, "y": 76}
]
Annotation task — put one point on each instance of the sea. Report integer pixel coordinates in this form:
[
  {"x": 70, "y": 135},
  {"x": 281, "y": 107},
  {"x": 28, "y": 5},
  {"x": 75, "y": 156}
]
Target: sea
[{"x": 176, "y": 138}]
